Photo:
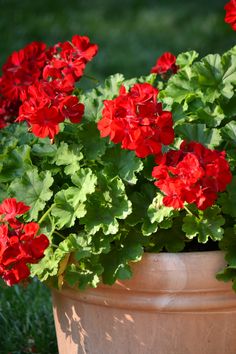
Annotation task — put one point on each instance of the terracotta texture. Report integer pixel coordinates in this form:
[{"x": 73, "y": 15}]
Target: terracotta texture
[{"x": 172, "y": 305}]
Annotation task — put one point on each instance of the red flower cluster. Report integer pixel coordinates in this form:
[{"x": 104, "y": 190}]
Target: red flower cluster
[
  {"x": 136, "y": 120},
  {"x": 165, "y": 63},
  {"x": 230, "y": 16},
  {"x": 46, "y": 106},
  {"x": 193, "y": 174},
  {"x": 21, "y": 69},
  {"x": 41, "y": 81},
  {"x": 19, "y": 243}
]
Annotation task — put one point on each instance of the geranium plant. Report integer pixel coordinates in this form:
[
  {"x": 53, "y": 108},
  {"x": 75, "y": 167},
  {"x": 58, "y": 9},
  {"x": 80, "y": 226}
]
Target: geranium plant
[{"x": 90, "y": 180}]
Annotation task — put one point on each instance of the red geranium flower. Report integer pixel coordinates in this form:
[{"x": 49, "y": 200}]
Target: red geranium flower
[
  {"x": 36, "y": 78},
  {"x": 10, "y": 208},
  {"x": 18, "y": 246},
  {"x": 8, "y": 111},
  {"x": 81, "y": 47},
  {"x": 230, "y": 16},
  {"x": 136, "y": 120},
  {"x": 45, "y": 122},
  {"x": 22, "y": 69},
  {"x": 72, "y": 109},
  {"x": 194, "y": 174},
  {"x": 166, "y": 62},
  {"x": 70, "y": 58},
  {"x": 17, "y": 273}
]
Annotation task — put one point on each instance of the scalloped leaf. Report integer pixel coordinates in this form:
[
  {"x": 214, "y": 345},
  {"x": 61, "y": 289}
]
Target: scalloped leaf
[
  {"x": 186, "y": 59},
  {"x": 122, "y": 163},
  {"x": 200, "y": 133},
  {"x": 229, "y": 132},
  {"x": 116, "y": 262},
  {"x": 86, "y": 181},
  {"x": 84, "y": 274},
  {"x": 228, "y": 199},
  {"x": 140, "y": 203},
  {"x": 158, "y": 212},
  {"x": 206, "y": 225},
  {"x": 68, "y": 206},
  {"x": 169, "y": 241},
  {"x": 14, "y": 163},
  {"x": 93, "y": 100},
  {"x": 228, "y": 245},
  {"x": 68, "y": 156},
  {"x": 105, "y": 208},
  {"x": 95, "y": 147},
  {"x": 47, "y": 266},
  {"x": 182, "y": 86},
  {"x": 34, "y": 189}
]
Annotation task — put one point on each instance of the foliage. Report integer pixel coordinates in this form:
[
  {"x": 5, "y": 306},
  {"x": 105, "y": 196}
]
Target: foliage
[{"x": 104, "y": 174}]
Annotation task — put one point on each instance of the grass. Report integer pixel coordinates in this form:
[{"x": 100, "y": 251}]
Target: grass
[
  {"x": 26, "y": 322},
  {"x": 131, "y": 34}
]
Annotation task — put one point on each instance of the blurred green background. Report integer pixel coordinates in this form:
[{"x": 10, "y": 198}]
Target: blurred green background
[{"x": 131, "y": 34}]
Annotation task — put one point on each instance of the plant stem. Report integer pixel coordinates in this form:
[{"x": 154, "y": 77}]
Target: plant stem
[
  {"x": 53, "y": 245},
  {"x": 190, "y": 213},
  {"x": 59, "y": 234},
  {"x": 91, "y": 78},
  {"x": 45, "y": 214}
]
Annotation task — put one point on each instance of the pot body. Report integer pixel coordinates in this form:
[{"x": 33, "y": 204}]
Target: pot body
[{"x": 172, "y": 305}]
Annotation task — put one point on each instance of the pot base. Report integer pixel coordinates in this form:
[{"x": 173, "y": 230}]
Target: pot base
[{"x": 172, "y": 305}]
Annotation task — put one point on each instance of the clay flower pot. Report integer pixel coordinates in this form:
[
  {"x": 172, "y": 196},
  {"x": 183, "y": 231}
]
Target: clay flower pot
[{"x": 172, "y": 305}]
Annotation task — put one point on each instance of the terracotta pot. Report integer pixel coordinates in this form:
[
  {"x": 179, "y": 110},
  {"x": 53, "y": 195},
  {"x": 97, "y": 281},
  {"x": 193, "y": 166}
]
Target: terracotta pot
[{"x": 172, "y": 305}]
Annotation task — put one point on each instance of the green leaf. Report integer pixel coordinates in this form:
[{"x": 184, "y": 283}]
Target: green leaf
[
  {"x": 69, "y": 156},
  {"x": 44, "y": 148},
  {"x": 122, "y": 163},
  {"x": 206, "y": 225},
  {"x": 140, "y": 203},
  {"x": 47, "y": 267},
  {"x": 4, "y": 192},
  {"x": 212, "y": 117},
  {"x": 68, "y": 206},
  {"x": 112, "y": 86},
  {"x": 105, "y": 207},
  {"x": 101, "y": 243},
  {"x": 228, "y": 245},
  {"x": 229, "y": 107},
  {"x": 17, "y": 132},
  {"x": 171, "y": 241},
  {"x": 149, "y": 228},
  {"x": 226, "y": 275},
  {"x": 200, "y": 133},
  {"x": 93, "y": 100},
  {"x": 95, "y": 147},
  {"x": 84, "y": 274},
  {"x": 86, "y": 181},
  {"x": 228, "y": 199},
  {"x": 14, "y": 163},
  {"x": 229, "y": 64},
  {"x": 116, "y": 262},
  {"x": 74, "y": 242},
  {"x": 157, "y": 211},
  {"x": 186, "y": 59},
  {"x": 34, "y": 189},
  {"x": 182, "y": 86},
  {"x": 216, "y": 76},
  {"x": 209, "y": 70},
  {"x": 229, "y": 132}
]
